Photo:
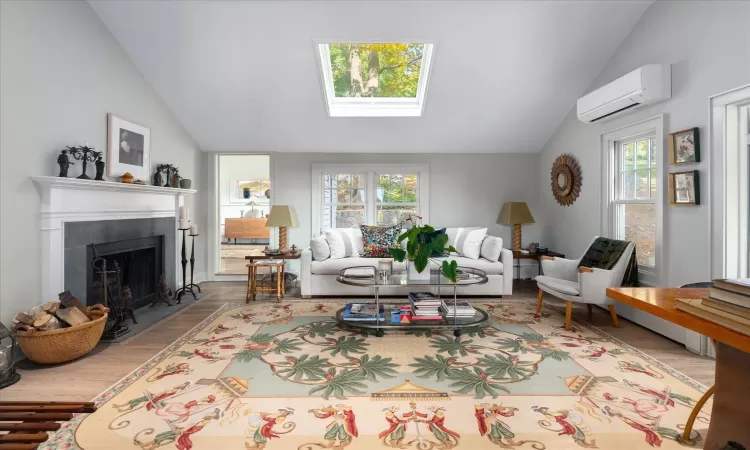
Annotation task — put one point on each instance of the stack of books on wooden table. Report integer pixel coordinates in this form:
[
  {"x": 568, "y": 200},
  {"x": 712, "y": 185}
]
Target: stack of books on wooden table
[{"x": 728, "y": 304}]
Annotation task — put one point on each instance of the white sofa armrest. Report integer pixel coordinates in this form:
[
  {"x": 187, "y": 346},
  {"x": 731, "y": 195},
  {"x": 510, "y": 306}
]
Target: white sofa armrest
[
  {"x": 305, "y": 274},
  {"x": 561, "y": 268},
  {"x": 593, "y": 286},
  {"x": 506, "y": 257}
]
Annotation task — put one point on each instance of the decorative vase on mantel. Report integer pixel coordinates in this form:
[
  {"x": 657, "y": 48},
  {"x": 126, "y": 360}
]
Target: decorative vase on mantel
[{"x": 412, "y": 273}]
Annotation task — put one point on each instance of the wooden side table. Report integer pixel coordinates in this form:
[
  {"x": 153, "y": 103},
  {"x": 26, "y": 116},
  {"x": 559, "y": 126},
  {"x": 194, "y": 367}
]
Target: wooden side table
[
  {"x": 253, "y": 287},
  {"x": 517, "y": 255}
]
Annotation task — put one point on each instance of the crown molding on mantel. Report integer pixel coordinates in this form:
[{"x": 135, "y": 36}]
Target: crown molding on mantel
[{"x": 78, "y": 184}]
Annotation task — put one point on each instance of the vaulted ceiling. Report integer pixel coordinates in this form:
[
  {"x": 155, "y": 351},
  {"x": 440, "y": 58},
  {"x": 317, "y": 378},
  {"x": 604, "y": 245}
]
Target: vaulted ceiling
[{"x": 242, "y": 76}]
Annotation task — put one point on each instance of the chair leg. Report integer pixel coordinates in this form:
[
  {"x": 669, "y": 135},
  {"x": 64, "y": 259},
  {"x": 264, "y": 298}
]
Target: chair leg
[
  {"x": 614, "y": 315},
  {"x": 590, "y": 307},
  {"x": 568, "y": 314},
  {"x": 539, "y": 301}
]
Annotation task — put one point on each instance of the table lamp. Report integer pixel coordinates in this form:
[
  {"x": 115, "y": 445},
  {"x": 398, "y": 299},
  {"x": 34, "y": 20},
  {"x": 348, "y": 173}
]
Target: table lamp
[
  {"x": 516, "y": 214},
  {"x": 282, "y": 216}
]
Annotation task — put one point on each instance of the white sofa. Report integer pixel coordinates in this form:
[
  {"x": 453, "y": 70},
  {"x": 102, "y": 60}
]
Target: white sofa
[{"x": 319, "y": 277}]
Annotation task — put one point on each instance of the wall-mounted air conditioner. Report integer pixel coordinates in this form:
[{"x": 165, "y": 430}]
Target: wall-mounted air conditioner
[{"x": 640, "y": 88}]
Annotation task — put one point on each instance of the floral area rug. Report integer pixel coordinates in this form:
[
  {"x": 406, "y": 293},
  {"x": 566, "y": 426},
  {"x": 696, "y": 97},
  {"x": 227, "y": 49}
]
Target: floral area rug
[{"x": 286, "y": 376}]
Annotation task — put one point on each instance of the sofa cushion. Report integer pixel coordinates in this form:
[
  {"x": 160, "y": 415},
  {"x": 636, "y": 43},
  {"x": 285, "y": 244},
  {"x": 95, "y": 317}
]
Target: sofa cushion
[
  {"x": 491, "y": 249},
  {"x": 377, "y": 240},
  {"x": 342, "y": 243},
  {"x": 556, "y": 284},
  {"x": 320, "y": 249},
  {"x": 333, "y": 266},
  {"x": 489, "y": 267},
  {"x": 469, "y": 242}
]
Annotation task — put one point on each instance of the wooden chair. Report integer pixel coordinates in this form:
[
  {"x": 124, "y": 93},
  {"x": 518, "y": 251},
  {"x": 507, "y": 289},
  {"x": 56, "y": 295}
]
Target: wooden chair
[
  {"x": 565, "y": 280},
  {"x": 24, "y": 425}
]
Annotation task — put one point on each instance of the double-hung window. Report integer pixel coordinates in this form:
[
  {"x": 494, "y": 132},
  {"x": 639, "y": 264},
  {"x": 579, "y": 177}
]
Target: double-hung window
[
  {"x": 351, "y": 195},
  {"x": 634, "y": 204}
]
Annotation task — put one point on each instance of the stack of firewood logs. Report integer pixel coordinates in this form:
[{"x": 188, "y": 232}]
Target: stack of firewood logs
[{"x": 68, "y": 311}]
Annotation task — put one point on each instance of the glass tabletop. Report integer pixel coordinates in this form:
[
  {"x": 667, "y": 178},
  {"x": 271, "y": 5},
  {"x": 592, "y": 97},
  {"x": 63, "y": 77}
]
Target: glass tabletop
[
  {"x": 447, "y": 321},
  {"x": 370, "y": 276}
]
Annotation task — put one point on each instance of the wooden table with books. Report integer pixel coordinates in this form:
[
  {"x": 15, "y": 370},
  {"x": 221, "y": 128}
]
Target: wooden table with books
[
  {"x": 730, "y": 414},
  {"x": 423, "y": 308}
]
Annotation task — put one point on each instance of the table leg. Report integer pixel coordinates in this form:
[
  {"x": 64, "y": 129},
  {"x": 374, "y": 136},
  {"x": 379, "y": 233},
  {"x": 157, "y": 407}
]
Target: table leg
[
  {"x": 283, "y": 279},
  {"x": 255, "y": 281},
  {"x": 249, "y": 284},
  {"x": 278, "y": 283},
  {"x": 731, "y": 406}
]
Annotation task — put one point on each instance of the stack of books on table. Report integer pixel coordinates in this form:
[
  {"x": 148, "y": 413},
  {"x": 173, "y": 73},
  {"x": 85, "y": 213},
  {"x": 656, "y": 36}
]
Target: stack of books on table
[
  {"x": 362, "y": 312},
  {"x": 462, "y": 308},
  {"x": 728, "y": 304},
  {"x": 424, "y": 306}
]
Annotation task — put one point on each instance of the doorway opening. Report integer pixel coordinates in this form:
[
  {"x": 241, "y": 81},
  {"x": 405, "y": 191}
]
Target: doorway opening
[{"x": 244, "y": 190}]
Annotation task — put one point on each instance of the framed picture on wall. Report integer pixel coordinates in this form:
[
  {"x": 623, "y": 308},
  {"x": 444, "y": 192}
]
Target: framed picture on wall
[
  {"x": 684, "y": 188},
  {"x": 684, "y": 147},
  {"x": 128, "y": 148},
  {"x": 245, "y": 191}
]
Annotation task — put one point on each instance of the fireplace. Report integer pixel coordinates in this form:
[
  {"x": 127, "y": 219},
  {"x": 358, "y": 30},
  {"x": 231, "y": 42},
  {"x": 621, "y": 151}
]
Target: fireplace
[
  {"x": 142, "y": 248},
  {"x": 140, "y": 262}
]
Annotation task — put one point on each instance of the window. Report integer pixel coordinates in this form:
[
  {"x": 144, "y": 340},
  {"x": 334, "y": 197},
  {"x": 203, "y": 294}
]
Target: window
[
  {"x": 352, "y": 195},
  {"x": 343, "y": 200},
  {"x": 633, "y": 185},
  {"x": 396, "y": 198},
  {"x": 374, "y": 79},
  {"x": 635, "y": 196}
]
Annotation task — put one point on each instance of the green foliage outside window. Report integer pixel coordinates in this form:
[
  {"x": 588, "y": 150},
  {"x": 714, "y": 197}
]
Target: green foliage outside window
[{"x": 376, "y": 70}]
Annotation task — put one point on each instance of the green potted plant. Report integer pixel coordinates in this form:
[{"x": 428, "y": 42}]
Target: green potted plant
[{"x": 421, "y": 242}]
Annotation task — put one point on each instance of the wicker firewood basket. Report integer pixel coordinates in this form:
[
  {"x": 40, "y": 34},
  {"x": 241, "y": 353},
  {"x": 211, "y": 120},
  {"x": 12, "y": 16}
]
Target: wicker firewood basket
[{"x": 62, "y": 345}]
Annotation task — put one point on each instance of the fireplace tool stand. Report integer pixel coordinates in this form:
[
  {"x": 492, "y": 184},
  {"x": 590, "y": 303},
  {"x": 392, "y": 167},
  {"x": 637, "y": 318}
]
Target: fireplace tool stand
[
  {"x": 115, "y": 326},
  {"x": 185, "y": 287}
]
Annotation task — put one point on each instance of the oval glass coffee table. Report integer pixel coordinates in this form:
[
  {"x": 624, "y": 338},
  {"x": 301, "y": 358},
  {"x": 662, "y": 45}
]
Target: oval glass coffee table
[{"x": 368, "y": 277}]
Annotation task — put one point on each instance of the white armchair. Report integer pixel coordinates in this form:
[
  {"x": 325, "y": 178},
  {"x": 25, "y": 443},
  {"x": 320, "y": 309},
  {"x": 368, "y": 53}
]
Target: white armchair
[{"x": 565, "y": 280}]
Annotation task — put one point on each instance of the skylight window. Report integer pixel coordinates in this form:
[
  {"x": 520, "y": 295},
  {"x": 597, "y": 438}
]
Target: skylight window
[{"x": 375, "y": 79}]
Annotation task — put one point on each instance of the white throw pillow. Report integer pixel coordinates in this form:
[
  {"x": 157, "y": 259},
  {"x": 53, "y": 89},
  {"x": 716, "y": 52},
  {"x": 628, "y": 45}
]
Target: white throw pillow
[
  {"x": 491, "y": 248},
  {"x": 342, "y": 244},
  {"x": 320, "y": 249},
  {"x": 469, "y": 241}
]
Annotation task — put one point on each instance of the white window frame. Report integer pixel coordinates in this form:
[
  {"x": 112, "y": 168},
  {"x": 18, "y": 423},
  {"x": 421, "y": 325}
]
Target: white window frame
[
  {"x": 371, "y": 172},
  {"x": 372, "y": 106},
  {"x": 728, "y": 198},
  {"x": 655, "y": 276}
]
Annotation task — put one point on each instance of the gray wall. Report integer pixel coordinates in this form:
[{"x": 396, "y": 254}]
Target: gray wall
[
  {"x": 708, "y": 45},
  {"x": 465, "y": 189},
  {"x": 61, "y": 72}
]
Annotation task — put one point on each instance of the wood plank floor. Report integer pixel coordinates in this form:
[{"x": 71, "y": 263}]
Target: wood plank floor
[{"x": 84, "y": 379}]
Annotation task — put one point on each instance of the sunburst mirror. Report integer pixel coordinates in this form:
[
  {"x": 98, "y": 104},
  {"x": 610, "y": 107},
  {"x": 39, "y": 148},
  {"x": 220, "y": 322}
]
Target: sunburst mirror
[{"x": 566, "y": 179}]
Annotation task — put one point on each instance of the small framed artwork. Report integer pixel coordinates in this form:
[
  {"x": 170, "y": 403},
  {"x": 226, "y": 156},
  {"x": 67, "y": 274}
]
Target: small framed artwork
[
  {"x": 684, "y": 188},
  {"x": 128, "y": 148},
  {"x": 685, "y": 147}
]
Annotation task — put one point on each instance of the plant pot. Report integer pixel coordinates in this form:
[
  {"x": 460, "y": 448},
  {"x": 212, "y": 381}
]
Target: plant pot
[
  {"x": 414, "y": 275},
  {"x": 186, "y": 183}
]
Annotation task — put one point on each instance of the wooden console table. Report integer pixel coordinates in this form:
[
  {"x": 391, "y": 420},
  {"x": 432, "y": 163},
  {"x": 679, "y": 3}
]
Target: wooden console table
[
  {"x": 730, "y": 415},
  {"x": 245, "y": 228}
]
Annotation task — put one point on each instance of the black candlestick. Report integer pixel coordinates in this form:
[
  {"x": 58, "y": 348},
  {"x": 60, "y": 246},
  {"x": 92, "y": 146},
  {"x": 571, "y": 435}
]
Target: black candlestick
[
  {"x": 185, "y": 288},
  {"x": 192, "y": 264}
]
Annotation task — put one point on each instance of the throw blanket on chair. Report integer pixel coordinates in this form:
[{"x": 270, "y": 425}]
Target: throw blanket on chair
[{"x": 604, "y": 254}]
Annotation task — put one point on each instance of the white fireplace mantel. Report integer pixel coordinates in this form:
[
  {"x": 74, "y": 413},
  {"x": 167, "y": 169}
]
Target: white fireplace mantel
[{"x": 73, "y": 200}]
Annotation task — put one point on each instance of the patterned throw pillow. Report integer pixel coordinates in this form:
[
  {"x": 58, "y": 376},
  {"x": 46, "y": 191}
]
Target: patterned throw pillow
[{"x": 378, "y": 240}]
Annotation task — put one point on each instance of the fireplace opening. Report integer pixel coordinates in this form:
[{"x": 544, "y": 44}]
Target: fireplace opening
[{"x": 140, "y": 262}]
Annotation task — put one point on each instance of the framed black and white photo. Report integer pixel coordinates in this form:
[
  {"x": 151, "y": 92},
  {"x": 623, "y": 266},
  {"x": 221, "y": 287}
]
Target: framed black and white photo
[
  {"x": 128, "y": 148},
  {"x": 684, "y": 147},
  {"x": 684, "y": 188}
]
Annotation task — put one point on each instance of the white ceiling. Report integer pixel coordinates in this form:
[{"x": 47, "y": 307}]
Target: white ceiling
[{"x": 242, "y": 76}]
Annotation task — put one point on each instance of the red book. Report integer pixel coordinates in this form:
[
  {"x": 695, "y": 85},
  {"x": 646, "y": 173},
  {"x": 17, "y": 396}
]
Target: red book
[{"x": 416, "y": 318}]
